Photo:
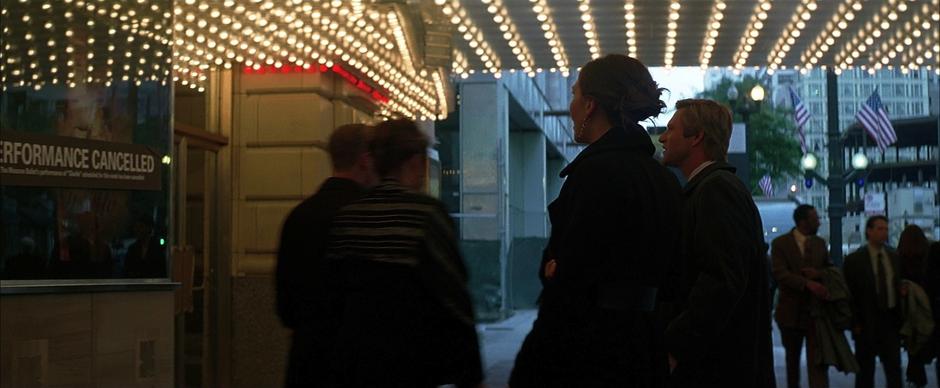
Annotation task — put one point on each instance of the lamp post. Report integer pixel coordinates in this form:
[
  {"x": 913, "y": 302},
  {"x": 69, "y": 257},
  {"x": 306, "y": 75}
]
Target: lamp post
[
  {"x": 838, "y": 177},
  {"x": 835, "y": 182},
  {"x": 750, "y": 104},
  {"x": 756, "y": 95}
]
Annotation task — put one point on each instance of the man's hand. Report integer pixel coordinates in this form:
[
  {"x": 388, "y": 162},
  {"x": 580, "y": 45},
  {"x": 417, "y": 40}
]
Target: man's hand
[
  {"x": 672, "y": 363},
  {"x": 818, "y": 289},
  {"x": 810, "y": 273},
  {"x": 550, "y": 269}
]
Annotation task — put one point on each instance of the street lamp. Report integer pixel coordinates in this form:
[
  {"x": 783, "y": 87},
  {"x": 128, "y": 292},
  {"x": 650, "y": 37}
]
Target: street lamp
[
  {"x": 810, "y": 162},
  {"x": 749, "y": 105},
  {"x": 757, "y": 93},
  {"x": 859, "y": 161}
]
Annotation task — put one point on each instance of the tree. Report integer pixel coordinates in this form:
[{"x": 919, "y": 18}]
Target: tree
[{"x": 772, "y": 145}]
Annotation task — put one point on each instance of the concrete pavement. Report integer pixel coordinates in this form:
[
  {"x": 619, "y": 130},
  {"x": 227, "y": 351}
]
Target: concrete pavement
[{"x": 501, "y": 341}]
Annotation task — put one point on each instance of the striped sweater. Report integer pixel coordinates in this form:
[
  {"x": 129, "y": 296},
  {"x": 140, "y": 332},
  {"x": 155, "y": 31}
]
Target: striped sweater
[{"x": 401, "y": 283}]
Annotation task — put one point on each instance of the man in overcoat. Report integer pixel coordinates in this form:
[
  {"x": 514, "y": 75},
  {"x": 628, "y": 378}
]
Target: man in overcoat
[
  {"x": 721, "y": 335},
  {"x": 873, "y": 275},
  {"x": 797, "y": 259},
  {"x": 302, "y": 293}
]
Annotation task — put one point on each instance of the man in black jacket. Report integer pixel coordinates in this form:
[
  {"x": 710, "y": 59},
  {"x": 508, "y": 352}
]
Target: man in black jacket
[
  {"x": 721, "y": 334},
  {"x": 873, "y": 276},
  {"x": 301, "y": 288}
]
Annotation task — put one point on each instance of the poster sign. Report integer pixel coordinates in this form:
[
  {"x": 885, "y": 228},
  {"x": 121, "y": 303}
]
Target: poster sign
[
  {"x": 874, "y": 204},
  {"x": 58, "y": 161}
]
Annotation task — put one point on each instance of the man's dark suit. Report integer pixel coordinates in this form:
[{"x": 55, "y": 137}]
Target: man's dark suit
[
  {"x": 722, "y": 335},
  {"x": 879, "y": 326},
  {"x": 301, "y": 294},
  {"x": 792, "y": 313}
]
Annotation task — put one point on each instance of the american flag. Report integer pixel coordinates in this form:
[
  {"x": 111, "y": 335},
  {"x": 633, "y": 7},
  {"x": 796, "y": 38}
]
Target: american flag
[
  {"x": 766, "y": 185},
  {"x": 875, "y": 120},
  {"x": 800, "y": 116}
]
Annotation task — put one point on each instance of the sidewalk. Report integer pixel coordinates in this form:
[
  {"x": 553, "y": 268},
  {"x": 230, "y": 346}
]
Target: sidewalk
[{"x": 501, "y": 341}]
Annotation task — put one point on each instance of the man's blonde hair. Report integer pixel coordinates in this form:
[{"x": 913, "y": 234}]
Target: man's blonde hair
[{"x": 711, "y": 117}]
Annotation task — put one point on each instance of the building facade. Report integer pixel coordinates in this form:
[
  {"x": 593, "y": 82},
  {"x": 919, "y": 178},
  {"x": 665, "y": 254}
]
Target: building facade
[{"x": 905, "y": 94}]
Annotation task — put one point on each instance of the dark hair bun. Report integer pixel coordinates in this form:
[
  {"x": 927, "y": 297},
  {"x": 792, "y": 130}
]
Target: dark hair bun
[{"x": 623, "y": 87}]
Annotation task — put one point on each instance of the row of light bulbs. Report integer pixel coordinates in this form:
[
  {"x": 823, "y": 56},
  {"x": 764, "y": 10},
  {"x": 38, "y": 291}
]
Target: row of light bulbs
[
  {"x": 511, "y": 35},
  {"x": 671, "y": 33},
  {"x": 925, "y": 24},
  {"x": 208, "y": 36},
  {"x": 872, "y": 31},
  {"x": 927, "y": 52},
  {"x": 460, "y": 64},
  {"x": 306, "y": 34},
  {"x": 901, "y": 41},
  {"x": 834, "y": 29},
  {"x": 749, "y": 39},
  {"x": 804, "y": 12},
  {"x": 468, "y": 30},
  {"x": 590, "y": 29},
  {"x": 629, "y": 16},
  {"x": 73, "y": 42},
  {"x": 550, "y": 31},
  {"x": 711, "y": 34}
]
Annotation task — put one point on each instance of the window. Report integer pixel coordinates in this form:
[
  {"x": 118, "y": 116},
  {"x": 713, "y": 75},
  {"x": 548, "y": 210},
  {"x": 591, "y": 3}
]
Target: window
[
  {"x": 815, "y": 90},
  {"x": 847, "y": 109},
  {"x": 900, "y": 90},
  {"x": 95, "y": 219}
]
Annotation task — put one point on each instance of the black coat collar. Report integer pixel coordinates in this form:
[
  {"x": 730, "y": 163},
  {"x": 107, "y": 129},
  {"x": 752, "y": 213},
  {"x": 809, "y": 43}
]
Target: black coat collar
[
  {"x": 340, "y": 184},
  {"x": 619, "y": 139},
  {"x": 698, "y": 178}
]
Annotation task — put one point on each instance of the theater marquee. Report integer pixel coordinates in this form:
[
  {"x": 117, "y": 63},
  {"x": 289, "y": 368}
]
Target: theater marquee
[{"x": 57, "y": 161}]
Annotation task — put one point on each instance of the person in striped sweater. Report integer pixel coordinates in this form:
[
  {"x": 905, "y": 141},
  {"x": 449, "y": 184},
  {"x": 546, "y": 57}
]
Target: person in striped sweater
[{"x": 395, "y": 270}]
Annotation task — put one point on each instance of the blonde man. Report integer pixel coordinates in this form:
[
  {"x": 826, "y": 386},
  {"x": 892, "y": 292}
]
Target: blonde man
[{"x": 720, "y": 334}]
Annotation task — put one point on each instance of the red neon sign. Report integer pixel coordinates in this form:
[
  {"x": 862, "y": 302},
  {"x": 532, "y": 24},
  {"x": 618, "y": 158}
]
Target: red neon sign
[{"x": 339, "y": 70}]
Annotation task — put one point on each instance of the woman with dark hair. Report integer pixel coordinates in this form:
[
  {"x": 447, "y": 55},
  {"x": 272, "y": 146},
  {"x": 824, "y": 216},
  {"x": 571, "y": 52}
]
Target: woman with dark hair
[
  {"x": 613, "y": 234},
  {"x": 912, "y": 253},
  {"x": 933, "y": 291}
]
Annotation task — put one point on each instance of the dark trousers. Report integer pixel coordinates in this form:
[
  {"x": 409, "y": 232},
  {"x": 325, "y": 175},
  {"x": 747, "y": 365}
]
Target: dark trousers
[
  {"x": 879, "y": 339},
  {"x": 793, "y": 345},
  {"x": 917, "y": 363}
]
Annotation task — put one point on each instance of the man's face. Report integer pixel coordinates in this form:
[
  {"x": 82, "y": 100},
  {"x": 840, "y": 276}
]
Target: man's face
[
  {"x": 878, "y": 233},
  {"x": 676, "y": 146},
  {"x": 810, "y": 226}
]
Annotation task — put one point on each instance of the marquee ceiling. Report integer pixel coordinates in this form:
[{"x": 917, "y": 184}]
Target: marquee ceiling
[{"x": 563, "y": 34}]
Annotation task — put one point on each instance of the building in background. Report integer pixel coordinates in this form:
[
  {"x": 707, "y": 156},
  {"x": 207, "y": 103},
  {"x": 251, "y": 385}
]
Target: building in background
[{"x": 905, "y": 95}]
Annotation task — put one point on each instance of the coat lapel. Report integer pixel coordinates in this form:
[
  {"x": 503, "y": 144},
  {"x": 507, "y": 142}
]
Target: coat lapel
[
  {"x": 867, "y": 270},
  {"x": 689, "y": 187}
]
